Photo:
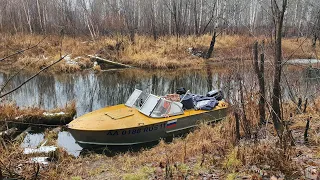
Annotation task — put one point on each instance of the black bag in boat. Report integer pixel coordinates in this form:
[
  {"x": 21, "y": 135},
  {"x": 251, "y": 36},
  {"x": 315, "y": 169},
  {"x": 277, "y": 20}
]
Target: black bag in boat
[
  {"x": 187, "y": 102},
  {"x": 181, "y": 91}
]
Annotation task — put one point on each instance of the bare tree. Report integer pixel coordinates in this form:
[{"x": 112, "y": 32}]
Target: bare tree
[
  {"x": 260, "y": 74},
  {"x": 278, "y": 17},
  {"x": 316, "y": 29}
]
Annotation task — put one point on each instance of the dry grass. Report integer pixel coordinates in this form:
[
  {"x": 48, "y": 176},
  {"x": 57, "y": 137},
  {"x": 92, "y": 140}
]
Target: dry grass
[
  {"x": 14, "y": 164},
  {"x": 207, "y": 150},
  {"x": 300, "y": 48},
  {"x": 165, "y": 53},
  {"x": 177, "y": 154},
  {"x": 267, "y": 157}
]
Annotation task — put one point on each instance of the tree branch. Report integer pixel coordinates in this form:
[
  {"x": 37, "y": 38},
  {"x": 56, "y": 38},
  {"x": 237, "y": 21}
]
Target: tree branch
[
  {"x": 35, "y": 75},
  {"x": 18, "y": 72},
  {"x": 23, "y": 50}
]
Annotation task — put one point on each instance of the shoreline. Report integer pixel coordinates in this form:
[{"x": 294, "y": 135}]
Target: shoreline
[{"x": 165, "y": 53}]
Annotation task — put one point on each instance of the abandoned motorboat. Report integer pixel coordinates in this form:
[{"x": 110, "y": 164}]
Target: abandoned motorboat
[{"x": 146, "y": 118}]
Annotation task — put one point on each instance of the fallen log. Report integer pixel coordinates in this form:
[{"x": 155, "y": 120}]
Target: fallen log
[
  {"x": 60, "y": 118},
  {"x": 23, "y": 122},
  {"x": 109, "y": 62},
  {"x": 25, "y": 118}
]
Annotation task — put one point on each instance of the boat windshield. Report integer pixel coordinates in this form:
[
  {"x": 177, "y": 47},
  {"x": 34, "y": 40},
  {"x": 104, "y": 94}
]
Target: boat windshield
[
  {"x": 133, "y": 98},
  {"x": 153, "y": 106},
  {"x": 157, "y": 107}
]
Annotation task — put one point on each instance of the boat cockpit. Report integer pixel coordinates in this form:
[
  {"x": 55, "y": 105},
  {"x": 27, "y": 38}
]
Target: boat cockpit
[{"x": 154, "y": 106}]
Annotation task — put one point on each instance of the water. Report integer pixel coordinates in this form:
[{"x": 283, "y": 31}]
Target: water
[
  {"x": 66, "y": 141},
  {"x": 93, "y": 91},
  {"x": 35, "y": 138}
]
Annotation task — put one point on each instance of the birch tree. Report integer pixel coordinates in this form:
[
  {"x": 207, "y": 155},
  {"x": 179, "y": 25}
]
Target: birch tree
[{"x": 152, "y": 17}]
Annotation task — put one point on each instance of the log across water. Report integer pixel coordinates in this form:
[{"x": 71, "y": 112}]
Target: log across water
[
  {"x": 109, "y": 62},
  {"x": 40, "y": 120},
  {"x": 23, "y": 118}
]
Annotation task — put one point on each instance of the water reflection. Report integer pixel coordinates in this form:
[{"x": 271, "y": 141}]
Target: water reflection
[
  {"x": 93, "y": 91},
  {"x": 32, "y": 140}
]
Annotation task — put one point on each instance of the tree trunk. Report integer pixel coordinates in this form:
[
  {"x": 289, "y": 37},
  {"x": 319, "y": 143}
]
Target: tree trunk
[
  {"x": 260, "y": 75},
  {"x": 314, "y": 41},
  {"x": 278, "y": 16},
  {"x": 213, "y": 41},
  {"x": 39, "y": 15},
  {"x": 153, "y": 23},
  {"x": 305, "y": 106},
  {"x": 299, "y": 105},
  {"x": 306, "y": 131},
  {"x": 237, "y": 118},
  {"x": 28, "y": 17},
  {"x": 195, "y": 17}
]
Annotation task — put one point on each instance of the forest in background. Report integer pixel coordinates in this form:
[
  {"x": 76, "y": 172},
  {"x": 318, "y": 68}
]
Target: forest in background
[{"x": 155, "y": 17}]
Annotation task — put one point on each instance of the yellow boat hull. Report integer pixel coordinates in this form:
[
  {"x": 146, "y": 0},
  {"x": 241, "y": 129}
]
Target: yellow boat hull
[{"x": 121, "y": 125}]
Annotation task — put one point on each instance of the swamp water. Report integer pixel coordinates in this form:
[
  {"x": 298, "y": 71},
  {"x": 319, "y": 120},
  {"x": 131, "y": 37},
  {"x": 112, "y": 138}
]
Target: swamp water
[{"x": 93, "y": 91}]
